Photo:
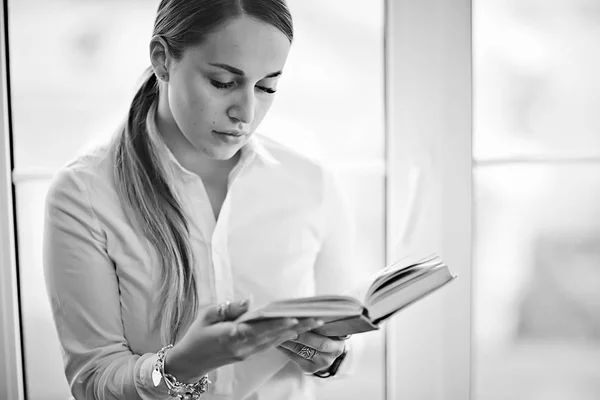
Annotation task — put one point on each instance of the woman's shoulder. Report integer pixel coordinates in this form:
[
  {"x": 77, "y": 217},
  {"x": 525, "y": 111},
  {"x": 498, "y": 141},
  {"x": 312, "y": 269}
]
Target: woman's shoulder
[{"x": 89, "y": 169}]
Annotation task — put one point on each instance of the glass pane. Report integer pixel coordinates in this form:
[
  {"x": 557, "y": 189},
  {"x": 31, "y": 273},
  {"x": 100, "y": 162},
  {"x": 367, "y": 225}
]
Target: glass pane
[
  {"x": 75, "y": 86},
  {"x": 536, "y": 77},
  {"x": 333, "y": 84},
  {"x": 44, "y": 371},
  {"x": 536, "y": 276}
]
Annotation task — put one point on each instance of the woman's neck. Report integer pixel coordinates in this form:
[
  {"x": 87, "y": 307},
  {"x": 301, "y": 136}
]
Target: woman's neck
[{"x": 193, "y": 160}]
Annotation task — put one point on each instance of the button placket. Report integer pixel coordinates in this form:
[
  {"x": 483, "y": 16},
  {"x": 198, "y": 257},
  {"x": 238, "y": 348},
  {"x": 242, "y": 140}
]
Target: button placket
[
  {"x": 201, "y": 225},
  {"x": 223, "y": 274},
  {"x": 221, "y": 264}
]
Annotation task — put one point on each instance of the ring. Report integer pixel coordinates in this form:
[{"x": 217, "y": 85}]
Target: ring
[
  {"x": 307, "y": 352},
  {"x": 223, "y": 310}
]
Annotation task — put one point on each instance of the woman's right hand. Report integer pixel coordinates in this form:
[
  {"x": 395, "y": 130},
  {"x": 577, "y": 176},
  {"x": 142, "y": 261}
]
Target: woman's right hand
[{"x": 211, "y": 343}]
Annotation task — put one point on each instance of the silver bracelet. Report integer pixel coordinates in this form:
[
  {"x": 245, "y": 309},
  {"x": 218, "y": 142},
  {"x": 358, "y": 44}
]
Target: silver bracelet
[{"x": 176, "y": 389}]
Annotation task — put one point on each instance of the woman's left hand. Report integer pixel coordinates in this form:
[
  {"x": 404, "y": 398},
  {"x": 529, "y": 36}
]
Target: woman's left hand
[{"x": 313, "y": 352}]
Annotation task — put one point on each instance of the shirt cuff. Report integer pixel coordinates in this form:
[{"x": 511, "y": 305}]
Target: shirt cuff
[{"x": 143, "y": 382}]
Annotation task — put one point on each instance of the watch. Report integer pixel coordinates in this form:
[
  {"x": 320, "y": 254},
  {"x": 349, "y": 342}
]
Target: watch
[{"x": 333, "y": 368}]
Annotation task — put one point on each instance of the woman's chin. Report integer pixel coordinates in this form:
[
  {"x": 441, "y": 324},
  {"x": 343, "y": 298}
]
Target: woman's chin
[{"x": 222, "y": 153}]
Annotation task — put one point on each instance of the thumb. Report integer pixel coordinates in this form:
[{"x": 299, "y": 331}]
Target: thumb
[{"x": 233, "y": 312}]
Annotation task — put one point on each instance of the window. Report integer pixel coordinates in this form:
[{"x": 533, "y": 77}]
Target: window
[
  {"x": 409, "y": 178},
  {"x": 537, "y": 189}
]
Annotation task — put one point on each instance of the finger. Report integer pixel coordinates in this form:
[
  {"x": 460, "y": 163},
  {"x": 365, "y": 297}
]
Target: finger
[
  {"x": 320, "y": 343},
  {"x": 274, "y": 327},
  {"x": 243, "y": 335},
  {"x": 318, "y": 363},
  {"x": 266, "y": 326},
  {"x": 296, "y": 348},
  {"x": 345, "y": 337},
  {"x": 303, "y": 362},
  {"x": 305, "y": 325},
  {"x": 270, "y": 343},
  {"x": 284, "y": 331},
  {"x": 237, "y": 309},
  {"x": 243, "y": 331},
  {"x": 234, "y": 311}
]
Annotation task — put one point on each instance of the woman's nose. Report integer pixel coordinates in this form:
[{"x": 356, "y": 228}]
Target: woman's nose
[{"x": 243, "y": 109}]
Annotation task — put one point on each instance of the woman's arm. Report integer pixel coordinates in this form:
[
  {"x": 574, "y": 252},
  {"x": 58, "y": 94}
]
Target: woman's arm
[{"x": 84, "y": 296}]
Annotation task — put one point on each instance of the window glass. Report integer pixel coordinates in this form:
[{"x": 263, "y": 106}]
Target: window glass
[
  {"x": 536, "y": 200},
  {"x": 536, "y": 69},
  {"x": 536, "y": 277}
]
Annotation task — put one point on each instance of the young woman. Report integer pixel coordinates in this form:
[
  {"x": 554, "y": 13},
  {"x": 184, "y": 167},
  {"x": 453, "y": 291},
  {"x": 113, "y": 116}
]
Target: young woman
[{"x": 188, "y": 208}]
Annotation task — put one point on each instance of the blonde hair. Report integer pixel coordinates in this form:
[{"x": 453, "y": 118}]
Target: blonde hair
[{"x": 141, "y": 180}]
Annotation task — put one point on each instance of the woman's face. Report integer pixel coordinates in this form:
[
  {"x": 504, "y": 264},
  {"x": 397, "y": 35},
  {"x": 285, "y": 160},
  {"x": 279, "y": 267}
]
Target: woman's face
[{"x": 220, "y": 91}]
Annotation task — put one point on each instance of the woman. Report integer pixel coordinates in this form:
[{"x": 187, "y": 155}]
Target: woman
[{"x": 187, "y": 208}]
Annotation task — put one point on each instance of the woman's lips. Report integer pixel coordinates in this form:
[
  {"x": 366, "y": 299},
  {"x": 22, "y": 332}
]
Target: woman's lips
[
  {"x": 231, "y": 133},
  {"x": 229, "y": 137}
]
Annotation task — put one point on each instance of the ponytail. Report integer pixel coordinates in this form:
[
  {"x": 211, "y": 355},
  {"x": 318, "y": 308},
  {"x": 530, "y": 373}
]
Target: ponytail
[
  {"x": 151, "y": 203},
  {"x": 142, "y": 181}
]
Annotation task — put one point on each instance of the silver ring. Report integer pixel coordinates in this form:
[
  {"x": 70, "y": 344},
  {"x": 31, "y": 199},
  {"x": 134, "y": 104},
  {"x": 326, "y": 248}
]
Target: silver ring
[
  {"x": 307, "y": 352},
  {"x": 223, "y": 310}
]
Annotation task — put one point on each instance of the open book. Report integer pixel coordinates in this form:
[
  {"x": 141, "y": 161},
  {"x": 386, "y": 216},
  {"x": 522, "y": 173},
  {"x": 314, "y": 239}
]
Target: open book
[{"x": 394, "y": 288}]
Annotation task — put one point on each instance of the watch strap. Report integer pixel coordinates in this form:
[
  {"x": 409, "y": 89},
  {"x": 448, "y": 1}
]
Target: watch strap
[{"x": 333, "y": 368}]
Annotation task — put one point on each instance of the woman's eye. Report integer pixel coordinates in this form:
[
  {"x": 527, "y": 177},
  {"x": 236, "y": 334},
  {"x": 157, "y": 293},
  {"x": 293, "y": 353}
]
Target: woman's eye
[
  {"x": 221, "y": 85},
  {"x": 266, "y": 89}
]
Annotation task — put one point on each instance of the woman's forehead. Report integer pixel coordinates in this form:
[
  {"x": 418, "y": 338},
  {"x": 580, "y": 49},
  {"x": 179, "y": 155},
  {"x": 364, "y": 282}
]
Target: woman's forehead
[{"x": 248, "y": 44}]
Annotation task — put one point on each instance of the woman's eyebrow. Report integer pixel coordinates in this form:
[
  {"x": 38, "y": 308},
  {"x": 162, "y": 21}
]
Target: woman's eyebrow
[{"x": 239, "y": 72}]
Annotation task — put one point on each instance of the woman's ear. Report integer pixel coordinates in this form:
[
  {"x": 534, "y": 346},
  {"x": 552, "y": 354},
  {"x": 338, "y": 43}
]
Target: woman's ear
[{"x": 160, "y": 58}]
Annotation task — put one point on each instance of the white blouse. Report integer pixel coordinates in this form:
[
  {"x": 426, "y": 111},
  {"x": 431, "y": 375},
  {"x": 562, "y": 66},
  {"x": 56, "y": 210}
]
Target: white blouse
[{"x": 283, "y": 231}]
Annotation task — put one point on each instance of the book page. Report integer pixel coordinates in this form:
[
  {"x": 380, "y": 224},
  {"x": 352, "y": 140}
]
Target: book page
[{"x": 326, "y": 306}]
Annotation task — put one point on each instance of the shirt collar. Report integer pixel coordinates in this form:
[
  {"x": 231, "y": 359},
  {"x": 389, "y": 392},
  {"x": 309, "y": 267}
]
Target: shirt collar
[
  {"x": 257, "y": 147},
  {"x": 253, "y": 149}
]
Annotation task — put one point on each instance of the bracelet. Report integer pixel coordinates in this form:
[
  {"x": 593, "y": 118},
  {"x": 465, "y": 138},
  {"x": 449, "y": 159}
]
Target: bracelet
[{"x": 176, "y": 389}]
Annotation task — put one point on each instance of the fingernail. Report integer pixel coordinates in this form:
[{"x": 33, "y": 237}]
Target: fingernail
[
  {"x": 294, "y": 321},
  {"x": 320, "y": 322}
]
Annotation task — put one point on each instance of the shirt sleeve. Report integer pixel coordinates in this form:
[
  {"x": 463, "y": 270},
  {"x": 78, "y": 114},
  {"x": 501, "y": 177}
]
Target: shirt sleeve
[
  {"x": 83, "y": 290},
  {"x": 336, "y": 271}
]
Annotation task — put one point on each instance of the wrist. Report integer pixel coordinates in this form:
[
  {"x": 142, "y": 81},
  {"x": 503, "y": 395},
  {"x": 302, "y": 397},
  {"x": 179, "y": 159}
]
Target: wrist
[
  {"x": 175, "y": 387},
  {"x": 177, "y": 364},
  {"x": 333, "y": 368}
]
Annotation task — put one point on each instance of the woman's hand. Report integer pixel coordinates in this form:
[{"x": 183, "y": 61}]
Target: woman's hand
[
  {"x": 211, "y": 342},
  {"x": 320, "y": 354}
]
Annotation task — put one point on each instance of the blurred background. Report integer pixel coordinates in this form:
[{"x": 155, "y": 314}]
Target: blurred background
[
  {"x": 536, "y": 260},
  {"x": 74, "y": 66}
]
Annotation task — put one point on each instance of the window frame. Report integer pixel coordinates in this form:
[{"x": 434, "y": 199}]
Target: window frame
[
  {"x": 429, "y": 166},
  {"x": 11, "y": 368}
]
